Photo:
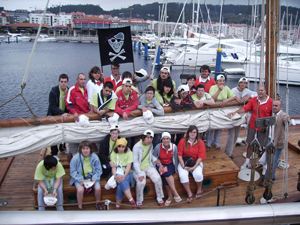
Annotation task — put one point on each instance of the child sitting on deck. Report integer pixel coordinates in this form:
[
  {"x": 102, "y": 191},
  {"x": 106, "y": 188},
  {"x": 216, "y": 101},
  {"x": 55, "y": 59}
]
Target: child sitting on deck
[{"x": 49, "y": 174}]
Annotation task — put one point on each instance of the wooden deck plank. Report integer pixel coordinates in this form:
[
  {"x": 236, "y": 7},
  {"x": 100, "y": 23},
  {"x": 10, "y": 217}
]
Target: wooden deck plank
[{"x": 17, "y": 186}]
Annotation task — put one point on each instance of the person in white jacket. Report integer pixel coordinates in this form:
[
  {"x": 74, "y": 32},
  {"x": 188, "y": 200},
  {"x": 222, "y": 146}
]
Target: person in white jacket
[{"x": 143, "y": 166}]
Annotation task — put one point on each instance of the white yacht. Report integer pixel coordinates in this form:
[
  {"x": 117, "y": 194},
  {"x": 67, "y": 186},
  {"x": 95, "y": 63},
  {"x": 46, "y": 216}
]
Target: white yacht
[{"x": 46, "y": 38}]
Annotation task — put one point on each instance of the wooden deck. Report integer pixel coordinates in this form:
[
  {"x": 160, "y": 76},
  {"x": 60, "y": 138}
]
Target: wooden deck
[{"x": 17, "y": 187}]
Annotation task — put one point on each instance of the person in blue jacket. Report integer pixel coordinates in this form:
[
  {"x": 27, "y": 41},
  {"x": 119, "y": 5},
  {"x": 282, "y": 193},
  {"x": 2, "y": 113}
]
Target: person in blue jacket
[{"x": 85, "y": 165}]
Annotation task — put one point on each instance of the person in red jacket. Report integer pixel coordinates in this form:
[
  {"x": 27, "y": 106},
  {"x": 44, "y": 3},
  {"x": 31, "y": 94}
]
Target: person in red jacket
[
  {"x": 115, "y": 77},
  {"x": 264, "y": 104},
  {"x": 127, "y": 99},
  {"x": 77, "y": 98},
  {"x": 77, "y": 103},
  {"x": 191, "y": 146},
  {"x": 205, "y": 79}
]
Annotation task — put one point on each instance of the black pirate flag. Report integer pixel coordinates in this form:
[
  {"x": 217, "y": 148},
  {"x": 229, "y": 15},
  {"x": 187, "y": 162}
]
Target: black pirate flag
[{"x": 115, "y": 45}]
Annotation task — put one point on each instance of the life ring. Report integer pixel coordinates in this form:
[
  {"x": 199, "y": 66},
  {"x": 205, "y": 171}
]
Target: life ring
[{"x": 207, "y": 182}]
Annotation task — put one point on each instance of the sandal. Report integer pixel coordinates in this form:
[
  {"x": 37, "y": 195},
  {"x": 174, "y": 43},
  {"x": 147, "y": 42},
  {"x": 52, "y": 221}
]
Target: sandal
[
  {"x": 190, "y": 199},
  {"x": 167, "y": 203},
  {"x": 177, "y": 199},
  {"x": 199, "y": 195},
  {"x": 99, "y": 206},
  {"x": 161, "y": 203}
]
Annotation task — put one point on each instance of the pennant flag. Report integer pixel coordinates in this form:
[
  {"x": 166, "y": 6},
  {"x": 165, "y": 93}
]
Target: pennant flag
[{"x": 115, "y": 45}]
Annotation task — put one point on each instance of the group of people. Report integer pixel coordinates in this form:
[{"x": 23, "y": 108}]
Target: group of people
[
  {"x": 154, "y": 154},
  {"x": 127, "y": 167}
]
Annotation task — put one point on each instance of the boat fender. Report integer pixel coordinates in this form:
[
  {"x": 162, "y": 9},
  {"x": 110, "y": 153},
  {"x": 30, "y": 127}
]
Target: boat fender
[{"x": 207, "y": 182}]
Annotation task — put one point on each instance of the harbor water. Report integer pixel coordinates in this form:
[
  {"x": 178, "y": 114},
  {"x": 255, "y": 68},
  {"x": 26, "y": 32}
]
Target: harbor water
[{"x": 54, "y": 58}]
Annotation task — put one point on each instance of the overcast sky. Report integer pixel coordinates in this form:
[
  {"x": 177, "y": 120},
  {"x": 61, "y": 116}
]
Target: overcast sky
[{"x": 114, "y": 4}]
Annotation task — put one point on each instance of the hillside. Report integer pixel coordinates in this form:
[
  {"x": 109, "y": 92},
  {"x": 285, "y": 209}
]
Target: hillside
[{"x": 231, "y": 13}]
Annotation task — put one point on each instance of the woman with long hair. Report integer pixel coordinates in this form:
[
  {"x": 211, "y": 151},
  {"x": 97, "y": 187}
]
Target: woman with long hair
[{"x": 191, "y": 148}]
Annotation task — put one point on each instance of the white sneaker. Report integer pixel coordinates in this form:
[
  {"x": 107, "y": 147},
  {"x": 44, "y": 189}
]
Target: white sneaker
[
  {"x": 246, "y": 166},
  {"x": 264, "y": 169}
]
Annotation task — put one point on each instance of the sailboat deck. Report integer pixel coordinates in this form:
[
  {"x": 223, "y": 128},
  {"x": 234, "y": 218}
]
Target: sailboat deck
[{"x": 17, "y": 187}]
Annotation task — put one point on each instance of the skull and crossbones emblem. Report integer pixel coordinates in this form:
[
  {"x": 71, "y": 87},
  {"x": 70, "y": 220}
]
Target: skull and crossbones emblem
[{"x": 116, "y": 43}]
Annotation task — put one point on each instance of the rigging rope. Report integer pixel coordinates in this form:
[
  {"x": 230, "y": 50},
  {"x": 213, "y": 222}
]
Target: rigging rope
[
  {"x": 23, "y": 84},
  {"x": 163, "y": 14}
]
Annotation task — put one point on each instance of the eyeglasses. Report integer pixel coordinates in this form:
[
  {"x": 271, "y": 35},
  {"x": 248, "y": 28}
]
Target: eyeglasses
[
  {"x": 149, "y": 93},
  {"x": 114, "y": 133}
]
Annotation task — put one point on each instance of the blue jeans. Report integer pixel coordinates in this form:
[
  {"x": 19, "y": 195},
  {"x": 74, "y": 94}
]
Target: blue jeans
[
  {"x": 276, "y": 159},
  {"x": 216, "y": 134},
  {"x": 123, "y": 186},
  {"x": 60, "y": 196}
]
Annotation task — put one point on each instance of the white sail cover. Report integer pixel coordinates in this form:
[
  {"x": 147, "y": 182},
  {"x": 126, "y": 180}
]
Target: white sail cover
[{"x": 23, "y": 140}]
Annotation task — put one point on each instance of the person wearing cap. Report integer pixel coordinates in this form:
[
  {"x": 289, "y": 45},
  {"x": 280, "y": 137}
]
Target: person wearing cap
[
  {"x": 166, "y": 94},
  {"x": 191, "y": 146},
  {"x": 184, "y": 100},
  {"x": 205, "y": 79},
  {"x": 85, "y": 165},
  {"x": 95, "y": 83},
  {"x": 127, "y": 75},
  {"x": 261, "y": 107},
  {"x": 166, "y": 161},
  {"x": 123, "y": 158},
  {"x": 163, "y": 75},
  {"x": 201, "y": 98},
  {"x": 115, "y": 77},
  {"x": 57, "y": 105},
  {"x": 220, "y": 92},
  {"x": 127, "y": 99},
  {"x": 104, "y": 102},
  {"x": 190, "y": 81},
  {"x": 245, "y": 95},
  {"x": 143, "y": 166},
  {"x": 139, "y": 77},
  {"x": 49, "y": 174},
  {"x": 107, "y": 146}
]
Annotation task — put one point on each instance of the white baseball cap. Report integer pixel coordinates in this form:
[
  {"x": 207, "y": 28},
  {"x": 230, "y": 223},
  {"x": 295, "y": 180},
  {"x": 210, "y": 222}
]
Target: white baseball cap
[
  {"x": 141, "y": 73},
  {"x": 165, "y": 68},
  {"x": 50, "y": 200},
  {"x": 243, "y": 79},
  {"x": 113, "y": 121},
  {"x": 221, "y": 76},
  {"x": 146, "y": 132},
  {"x": 183, "y": 87},
  {"x": 83, "y": 121},
  {"x": 165, "y": 134},
  {"x": 87, "y": 183},
  {"x": 148, "y": 117},
  {"x": 127, "y": 80}
]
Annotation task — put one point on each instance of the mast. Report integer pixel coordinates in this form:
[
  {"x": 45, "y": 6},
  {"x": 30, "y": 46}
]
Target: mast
[{"x": 272, "y": 23}]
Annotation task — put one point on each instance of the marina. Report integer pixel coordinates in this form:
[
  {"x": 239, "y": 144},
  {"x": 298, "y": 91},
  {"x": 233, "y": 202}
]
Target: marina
[{"x": 225, "y": 192}]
